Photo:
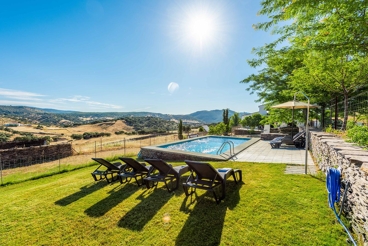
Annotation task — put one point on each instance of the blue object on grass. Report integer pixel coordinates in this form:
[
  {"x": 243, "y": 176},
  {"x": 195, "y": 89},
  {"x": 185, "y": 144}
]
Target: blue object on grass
[{"x": 333, "y": 184}]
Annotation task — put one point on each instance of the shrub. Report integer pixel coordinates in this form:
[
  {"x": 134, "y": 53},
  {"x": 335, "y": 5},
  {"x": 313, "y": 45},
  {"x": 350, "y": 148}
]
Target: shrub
[
  {"x": 76, "y": 136},
  {"x": 358, "y": 135},
  {"x": 219, "y": 129},
  {"x": 4, "y": 136}
]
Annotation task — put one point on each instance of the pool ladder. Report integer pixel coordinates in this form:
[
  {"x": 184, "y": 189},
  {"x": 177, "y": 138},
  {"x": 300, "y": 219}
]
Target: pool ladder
[{"x": 231, "y": 144}]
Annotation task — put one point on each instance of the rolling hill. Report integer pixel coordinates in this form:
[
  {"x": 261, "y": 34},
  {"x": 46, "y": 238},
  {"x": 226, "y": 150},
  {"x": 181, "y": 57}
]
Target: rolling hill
[{"x": 60, "y": 117}]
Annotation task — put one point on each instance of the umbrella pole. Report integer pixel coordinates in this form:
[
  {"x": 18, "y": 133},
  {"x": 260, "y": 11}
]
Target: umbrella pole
[
  {"x": 306, "y": 140},
  {"x": 292, "y": 124}
]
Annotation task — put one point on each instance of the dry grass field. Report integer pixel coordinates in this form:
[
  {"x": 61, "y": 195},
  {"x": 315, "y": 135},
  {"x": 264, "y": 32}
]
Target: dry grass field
[
  {"x": 86, "y": 145},
  {"x": 107, "y": 127}
]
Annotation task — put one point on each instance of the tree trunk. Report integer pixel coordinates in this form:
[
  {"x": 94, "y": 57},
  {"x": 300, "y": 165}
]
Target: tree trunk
[
  {"x": 346, "y": 111},
  {"x": 323, "y": 117},
  {"x": 336, "y": 114}
]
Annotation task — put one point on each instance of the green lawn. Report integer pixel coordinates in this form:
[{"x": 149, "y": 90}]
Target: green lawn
[{"x": 268, "y": 208}]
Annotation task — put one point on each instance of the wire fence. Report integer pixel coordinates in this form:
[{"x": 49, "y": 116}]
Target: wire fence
[
  {"x": 357, "y": 108},
  {"x": 19, "y": 169}
]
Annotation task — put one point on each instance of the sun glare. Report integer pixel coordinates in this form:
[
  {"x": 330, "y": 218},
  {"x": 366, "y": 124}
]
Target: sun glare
[{"x": 200, "y": 28}]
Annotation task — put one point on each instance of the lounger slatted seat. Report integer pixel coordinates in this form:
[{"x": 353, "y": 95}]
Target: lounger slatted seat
[
  {"x": 134, "y": 170},
  {"x": 166, "y": 173},
  {"x": 205, "y": 176},
  {"x": 298, "y": 140},
  {"x": 112, "y": 168},
  {"x": 276, "y": 142}
]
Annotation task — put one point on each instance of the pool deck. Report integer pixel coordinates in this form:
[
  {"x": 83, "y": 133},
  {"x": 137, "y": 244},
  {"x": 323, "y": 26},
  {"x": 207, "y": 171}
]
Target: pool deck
[{"x": 261, "y": 151}]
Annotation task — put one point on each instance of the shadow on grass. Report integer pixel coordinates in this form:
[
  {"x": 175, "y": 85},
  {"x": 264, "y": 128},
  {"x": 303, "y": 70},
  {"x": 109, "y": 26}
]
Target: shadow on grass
[
  {"x": 116, "y": 196},
  {"x": 84, "y": 191},
  {"x": 143, "y": 212},
  {"x": 206, "y": 219}
]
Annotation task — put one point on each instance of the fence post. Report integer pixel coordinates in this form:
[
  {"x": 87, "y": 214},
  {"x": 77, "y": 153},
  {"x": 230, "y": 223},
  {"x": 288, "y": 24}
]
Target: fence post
[
  {"x": 1, "y": 170},
  {"x": 101, "y": 144},
  {"x": 59, "y": 158},
  {"x": 95, "y": 148},
  {"x": 124, "y": 146}
]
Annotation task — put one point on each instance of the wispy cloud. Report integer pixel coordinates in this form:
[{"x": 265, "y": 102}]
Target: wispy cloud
[
  {"x": 87, "y": 101},
  {"x": 77, "y": 102},
  {"x": 20, "y": 95},
  {"x": 141, "y": 109},
  {"x": 38, "y": 104}
]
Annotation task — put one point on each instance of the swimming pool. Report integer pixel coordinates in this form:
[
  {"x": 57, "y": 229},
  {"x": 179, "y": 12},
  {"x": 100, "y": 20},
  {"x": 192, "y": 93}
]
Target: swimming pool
[
  {"x": 207, "y": 145},
  {"x": 206, "y": 150}
]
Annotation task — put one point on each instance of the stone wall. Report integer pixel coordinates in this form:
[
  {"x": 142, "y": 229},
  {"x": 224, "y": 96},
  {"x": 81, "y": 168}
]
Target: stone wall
[
  {"x": 331, "y": 151},
  {"x": 270, "y": 136},
  {"x": 9, "y": 145},
  {"x": 33, "y": 155},
  {"x": 241, "y": 131}
]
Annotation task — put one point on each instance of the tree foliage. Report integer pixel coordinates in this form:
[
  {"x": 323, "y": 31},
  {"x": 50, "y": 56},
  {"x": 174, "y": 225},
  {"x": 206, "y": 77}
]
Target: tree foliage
[
  {"x": 180, "y": 130},
  {"x": 225, "y": 120},
  {"x": 252, "y": 120},
  {"x": 323, "y": 51},
  {"x": 219, "y": 129},
  {"x": 234, "y": 120}
]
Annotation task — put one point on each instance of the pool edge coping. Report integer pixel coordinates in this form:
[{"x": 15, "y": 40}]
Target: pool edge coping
[{"x": 223, "y": 157}]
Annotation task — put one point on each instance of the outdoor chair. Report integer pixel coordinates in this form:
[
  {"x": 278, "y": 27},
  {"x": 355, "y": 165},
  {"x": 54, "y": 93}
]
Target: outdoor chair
[
  {"x": 112, "y": 168},
  {"x": 204, "y": 176},
  {"x": 298, "y": 140},
  {"x": 276, "y": 142},
  {"x": 134, "y": 170},
  {"x": 166, "y": 172}
]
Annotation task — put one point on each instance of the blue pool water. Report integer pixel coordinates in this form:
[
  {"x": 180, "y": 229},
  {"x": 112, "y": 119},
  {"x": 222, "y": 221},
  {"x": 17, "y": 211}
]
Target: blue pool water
[{"x": 206, "y": 145}]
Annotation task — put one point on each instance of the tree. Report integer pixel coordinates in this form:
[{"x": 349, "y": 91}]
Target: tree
[
  {"x": 225, "y": 119},
  {"x": 326, "y": 50},
  {"x": 339, "y": 75},
  {"x": 219, "y": 129},
  {"x": 234, "y": 120},
  {"x": 180, "y": 130},
  {"x": 252, "y": 120}
]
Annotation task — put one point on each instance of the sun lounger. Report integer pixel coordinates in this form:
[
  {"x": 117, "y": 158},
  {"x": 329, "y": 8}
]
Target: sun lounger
[
  {"x": 112, "y": 168},
  {"x": 276, "y": 142},
  {"x": 166, "y": 172},
  {"x": 134, "y": 170},
  {"x": 298, "y": 141},
  {"x": 205, "y": 176}
]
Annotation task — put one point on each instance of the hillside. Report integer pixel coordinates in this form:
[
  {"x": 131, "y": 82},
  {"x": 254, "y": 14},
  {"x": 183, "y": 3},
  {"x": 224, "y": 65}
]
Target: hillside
[{"x": 68, "y": 118}]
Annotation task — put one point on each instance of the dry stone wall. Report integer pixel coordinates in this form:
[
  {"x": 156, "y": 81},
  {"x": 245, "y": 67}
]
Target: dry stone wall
[
  {"x": 16, "y": 157},
  {"x": 330, "y": 151}
]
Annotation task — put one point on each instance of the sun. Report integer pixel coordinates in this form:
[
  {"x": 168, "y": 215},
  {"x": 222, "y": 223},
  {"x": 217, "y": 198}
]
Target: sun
[{"x": 200, "y": 27}]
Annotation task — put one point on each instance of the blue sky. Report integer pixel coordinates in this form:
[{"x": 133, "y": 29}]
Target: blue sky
[{"x": 107, "y": 56}]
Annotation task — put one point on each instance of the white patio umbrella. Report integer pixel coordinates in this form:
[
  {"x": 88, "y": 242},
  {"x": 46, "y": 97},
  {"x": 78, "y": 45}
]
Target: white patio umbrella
[
  {"x": 294, "y": 105},
  {"x": 298, "y": 105}
]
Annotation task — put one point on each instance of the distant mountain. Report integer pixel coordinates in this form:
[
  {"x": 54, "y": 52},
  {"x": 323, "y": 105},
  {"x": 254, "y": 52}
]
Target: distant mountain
[
  {"x": 57, "y": 111},
  {"x": 56, "y": 117}
]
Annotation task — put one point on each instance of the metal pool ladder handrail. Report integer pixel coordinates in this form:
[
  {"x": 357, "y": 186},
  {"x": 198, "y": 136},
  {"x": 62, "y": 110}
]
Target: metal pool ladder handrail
[{"x": 230, "y": 143}]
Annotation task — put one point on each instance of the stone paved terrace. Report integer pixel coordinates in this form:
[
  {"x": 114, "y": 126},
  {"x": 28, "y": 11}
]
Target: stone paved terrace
[{"x": 286, "y": 154}]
